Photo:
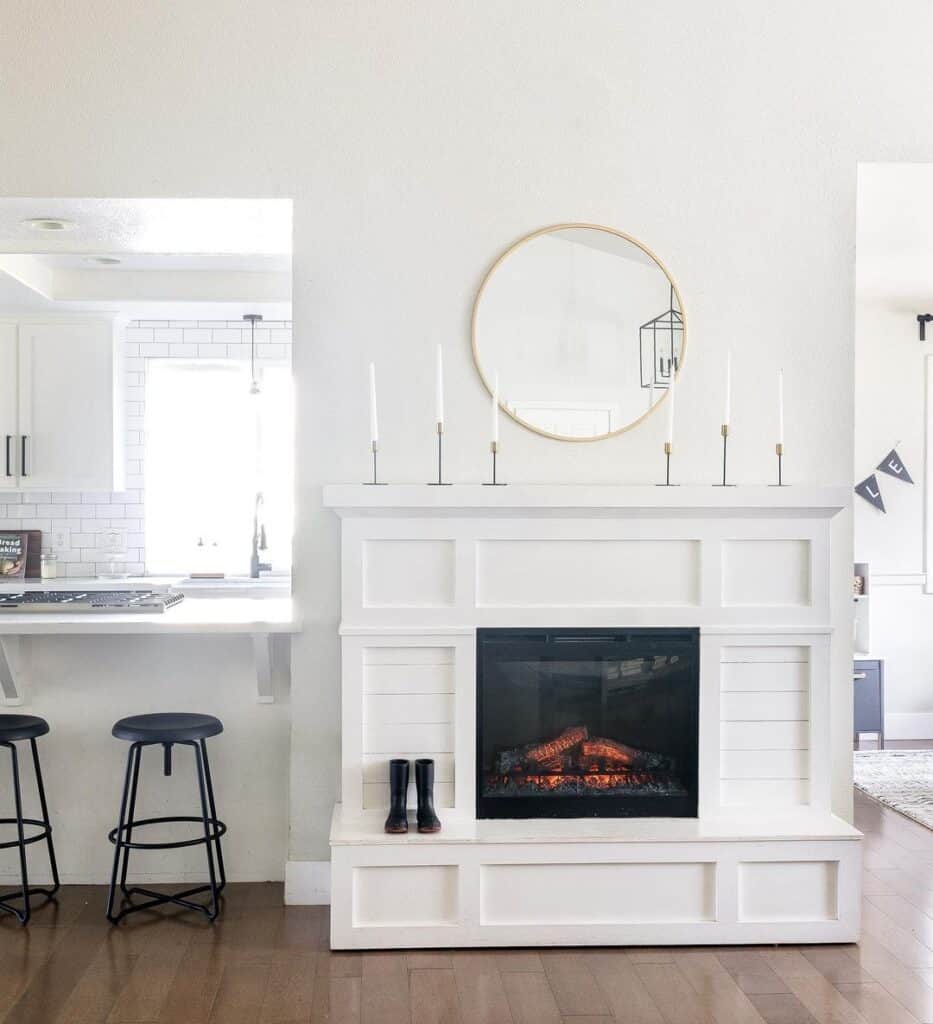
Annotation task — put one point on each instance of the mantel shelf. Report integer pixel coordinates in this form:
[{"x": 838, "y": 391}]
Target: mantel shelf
[{"x": 584, "y": 500}]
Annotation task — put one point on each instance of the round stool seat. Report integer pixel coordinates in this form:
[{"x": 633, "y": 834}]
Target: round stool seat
[
  {"x": 171, "y": 727},
  {"x": 22, "y": 727}
]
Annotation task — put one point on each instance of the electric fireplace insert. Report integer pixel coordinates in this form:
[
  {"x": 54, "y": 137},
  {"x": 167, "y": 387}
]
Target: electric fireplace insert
[{"x": 581, "y": 723}]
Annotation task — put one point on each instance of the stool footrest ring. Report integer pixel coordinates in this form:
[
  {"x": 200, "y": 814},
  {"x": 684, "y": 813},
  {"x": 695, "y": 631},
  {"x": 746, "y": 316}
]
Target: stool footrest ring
[
  {"x": 46, "y": 831},
  {"x": 218, "y": 828}
]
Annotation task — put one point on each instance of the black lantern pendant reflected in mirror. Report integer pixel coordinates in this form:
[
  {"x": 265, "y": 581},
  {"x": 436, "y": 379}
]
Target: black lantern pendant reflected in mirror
[{"x": 660, "y": 346}]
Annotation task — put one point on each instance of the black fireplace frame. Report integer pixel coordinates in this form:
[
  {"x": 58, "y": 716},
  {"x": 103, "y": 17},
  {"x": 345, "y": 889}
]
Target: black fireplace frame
[{"x": 608, "y": 640}]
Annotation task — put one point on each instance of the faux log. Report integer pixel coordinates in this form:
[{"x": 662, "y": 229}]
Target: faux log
[
  {"x": 535, "y": 754},
  {"x": 598, "y": 750}
]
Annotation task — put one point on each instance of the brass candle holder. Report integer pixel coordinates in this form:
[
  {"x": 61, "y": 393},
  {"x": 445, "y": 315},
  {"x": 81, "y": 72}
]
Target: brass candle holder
[
  {"x": 375, "y": 482},
  {"x": 725, "y": 454},
  {"x": 440, "y": 482},
  {"x": 668, "y": 449},
  {"x": 779, "y": 452},
  {"x": 494, "y": 449}
]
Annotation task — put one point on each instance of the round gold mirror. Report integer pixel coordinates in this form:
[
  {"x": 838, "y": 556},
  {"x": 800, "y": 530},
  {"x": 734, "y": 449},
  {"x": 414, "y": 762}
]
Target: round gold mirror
[{"x": 583, "y": 329}]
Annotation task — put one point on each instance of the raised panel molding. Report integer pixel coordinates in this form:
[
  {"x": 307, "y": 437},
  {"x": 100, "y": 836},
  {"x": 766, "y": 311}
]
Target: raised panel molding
[
  {"x": 766, "y": 573},
  {"x": 586, "y": 573}
]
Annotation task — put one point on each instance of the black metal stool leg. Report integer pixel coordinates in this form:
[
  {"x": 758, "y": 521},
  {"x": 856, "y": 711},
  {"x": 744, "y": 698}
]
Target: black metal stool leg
[
  {"x": 118, "y": 848},
  {"x": 45, "y": 817},
  {"x": 210, "y": 800},
  {"x": 23, "y": 916},
  {"x": 136, "y": 756},
  {"x": 206, "y": 815}
]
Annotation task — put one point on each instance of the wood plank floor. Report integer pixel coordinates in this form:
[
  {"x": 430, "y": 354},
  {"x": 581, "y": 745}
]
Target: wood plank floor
[{"x": 263, "y": 963}]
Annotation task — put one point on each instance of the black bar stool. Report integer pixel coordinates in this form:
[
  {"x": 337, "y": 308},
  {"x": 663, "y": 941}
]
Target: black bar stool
[
  {"x": 167, "y": 729},
  {"x": 12, "y": 729}
]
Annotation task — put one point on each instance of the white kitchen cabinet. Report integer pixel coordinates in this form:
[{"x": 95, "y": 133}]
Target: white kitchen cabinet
[
  {"x": 67, "y": 432},
  {"x": 9, "y": 404}
]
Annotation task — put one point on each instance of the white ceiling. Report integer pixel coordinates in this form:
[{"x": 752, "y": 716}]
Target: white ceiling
[
  {"x": 207, "y": 226},
  {"x": 188, "y": 258},
  {"x": 894, "y": 236}
]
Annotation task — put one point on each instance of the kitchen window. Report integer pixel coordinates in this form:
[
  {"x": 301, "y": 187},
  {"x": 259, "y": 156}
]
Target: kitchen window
[{"x": 218, "y": 461}]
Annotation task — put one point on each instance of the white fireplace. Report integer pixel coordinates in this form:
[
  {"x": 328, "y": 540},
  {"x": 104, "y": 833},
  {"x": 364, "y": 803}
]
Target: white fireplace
[{"x": 764, "y": 860}]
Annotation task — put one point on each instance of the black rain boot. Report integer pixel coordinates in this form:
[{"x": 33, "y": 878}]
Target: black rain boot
[
  {"x": 397, "y": 821},
  {"x": 428, "y": 821}
]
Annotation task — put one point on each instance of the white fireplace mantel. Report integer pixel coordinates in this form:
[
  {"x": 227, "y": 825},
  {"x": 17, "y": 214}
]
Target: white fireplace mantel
[
  {"x": 423, "y": 567},
  {"x": 583, "y": 500}
]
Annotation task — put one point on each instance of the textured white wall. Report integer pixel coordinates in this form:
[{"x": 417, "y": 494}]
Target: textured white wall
[{"x": 419, "y": 138}]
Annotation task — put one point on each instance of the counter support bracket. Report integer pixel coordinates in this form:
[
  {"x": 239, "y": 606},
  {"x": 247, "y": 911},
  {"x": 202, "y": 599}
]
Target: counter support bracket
[
  {"x": 263, "y": 663},
  {"x": 14, "y": 669}
]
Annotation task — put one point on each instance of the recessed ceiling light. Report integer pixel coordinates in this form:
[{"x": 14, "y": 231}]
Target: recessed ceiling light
[
  {"x": 49, "y": 223},
  {"x": 104, "y": 261}
]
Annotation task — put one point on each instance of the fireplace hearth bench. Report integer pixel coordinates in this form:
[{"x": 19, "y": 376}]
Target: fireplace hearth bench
[{"x": 741, "y": 845}]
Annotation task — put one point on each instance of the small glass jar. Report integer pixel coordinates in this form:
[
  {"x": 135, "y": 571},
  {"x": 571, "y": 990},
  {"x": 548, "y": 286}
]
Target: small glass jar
[{"x": 48, "y": 565}]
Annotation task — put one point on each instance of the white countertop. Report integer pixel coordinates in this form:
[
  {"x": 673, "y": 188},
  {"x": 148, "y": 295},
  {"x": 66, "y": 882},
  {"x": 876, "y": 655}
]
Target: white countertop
[{"x": 194, "y": 615}]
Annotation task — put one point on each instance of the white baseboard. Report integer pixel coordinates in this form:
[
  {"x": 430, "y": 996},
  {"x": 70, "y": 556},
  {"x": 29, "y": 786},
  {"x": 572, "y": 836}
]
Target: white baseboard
[
  {"x": 307, "y": 882},
  {"x": 908, "y": 725}
]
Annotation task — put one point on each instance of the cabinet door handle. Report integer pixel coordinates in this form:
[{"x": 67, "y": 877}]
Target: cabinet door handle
[
  {"x": 22, "y": 455},
  {"x": 9, "y": 468},
  {"x": 859, "y": 675}
]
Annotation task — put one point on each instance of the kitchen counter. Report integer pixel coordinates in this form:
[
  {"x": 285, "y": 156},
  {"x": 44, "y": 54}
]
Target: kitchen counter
[
  {"x": 264, "y": 619},
  {"x": 193, "y": 615}
]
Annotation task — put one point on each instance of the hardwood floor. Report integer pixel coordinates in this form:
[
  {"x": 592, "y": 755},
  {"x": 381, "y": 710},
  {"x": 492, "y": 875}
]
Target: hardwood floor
[{"x": 263, "y": 963}]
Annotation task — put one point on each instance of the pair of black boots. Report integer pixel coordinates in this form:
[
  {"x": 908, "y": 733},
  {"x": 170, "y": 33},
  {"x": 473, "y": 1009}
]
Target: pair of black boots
[{"x": 397, "y": 821}]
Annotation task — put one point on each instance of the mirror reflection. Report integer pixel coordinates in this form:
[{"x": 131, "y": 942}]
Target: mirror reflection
[{"x": 584, "y": 328}]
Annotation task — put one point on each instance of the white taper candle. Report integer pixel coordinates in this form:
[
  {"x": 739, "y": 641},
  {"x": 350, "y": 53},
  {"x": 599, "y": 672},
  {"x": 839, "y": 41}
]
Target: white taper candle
[
  {"x": 670, "y": 408},
  {"x": 495, "y": 408},
  {"x": 439, "y": 398},
  {"x": 780, "y": 407},
  {"x": 728, "y": 410},
  {"x": 373, "y": 413}
]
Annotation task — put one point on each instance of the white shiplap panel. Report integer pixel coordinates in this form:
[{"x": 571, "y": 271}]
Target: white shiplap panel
[
  {"x": 764, "y": 707},
  {"x": 376, "y": 778},
  {"x": 407, "y": 708},
  {"x": 763, "y": 675},
  {"x": 376, "y": 766},
  {"x": 376, "y": 795},
  {"x": 764, "y": 735},
  {"x": 770, "y": 653},
  {"x": 765, "y": 764},
  {"x": 764, "y": 795},
  {"x": 408, "y": 678},
  {"x": 405, "y": 655},
  {"x": 432, "y": 738}
]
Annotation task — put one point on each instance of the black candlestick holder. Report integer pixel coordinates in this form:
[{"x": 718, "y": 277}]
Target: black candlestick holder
[
  {"x": 779, "y": 452},
  {"x": 440, "y": 481},
  {"x": 668, "y": 449},
  {"x": 494, "y": 449},
  {"x": 375, "y": 482},
  {"x": 725, "y": 454}
]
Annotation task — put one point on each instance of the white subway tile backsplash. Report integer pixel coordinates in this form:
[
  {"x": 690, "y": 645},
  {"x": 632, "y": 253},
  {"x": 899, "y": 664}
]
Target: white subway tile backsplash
[
  {"x": 212, "y": 351},
  {"x": 138, "y": 335},
  {"x": 87, "y": 514},
  {"x": 154, "y": 349}
]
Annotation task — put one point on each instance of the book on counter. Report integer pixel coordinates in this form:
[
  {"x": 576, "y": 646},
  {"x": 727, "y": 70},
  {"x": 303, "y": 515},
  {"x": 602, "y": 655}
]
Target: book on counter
[{"x": 14, "y": 548}]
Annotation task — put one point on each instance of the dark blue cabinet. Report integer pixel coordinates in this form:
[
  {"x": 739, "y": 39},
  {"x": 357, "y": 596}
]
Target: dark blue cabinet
[{"x": 868, "y": 684}]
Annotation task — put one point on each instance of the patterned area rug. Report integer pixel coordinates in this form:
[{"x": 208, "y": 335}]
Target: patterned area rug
[{"x": 902, "y": 779}]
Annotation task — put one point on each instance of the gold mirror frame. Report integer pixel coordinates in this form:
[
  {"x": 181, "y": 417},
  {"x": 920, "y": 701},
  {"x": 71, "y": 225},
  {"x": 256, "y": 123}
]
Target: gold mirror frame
[{"x": 504, "y": 256}]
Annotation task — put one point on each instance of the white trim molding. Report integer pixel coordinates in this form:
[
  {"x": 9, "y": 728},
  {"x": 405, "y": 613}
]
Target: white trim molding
[{"x": 307, "y": 882}]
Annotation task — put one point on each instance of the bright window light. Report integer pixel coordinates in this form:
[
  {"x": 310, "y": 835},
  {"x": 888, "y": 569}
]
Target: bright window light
[{"x": 210, "y": 449}]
